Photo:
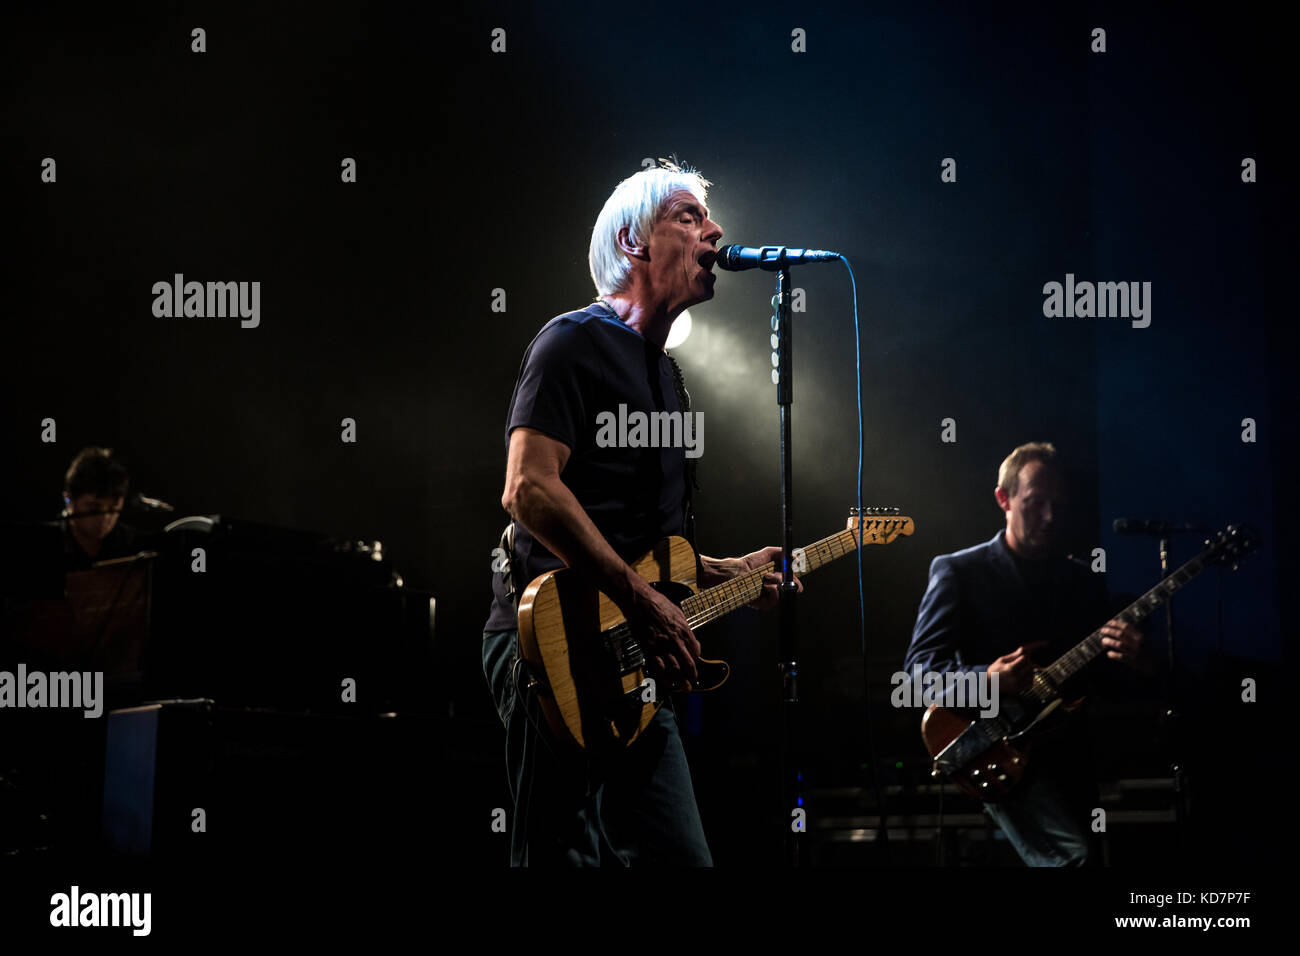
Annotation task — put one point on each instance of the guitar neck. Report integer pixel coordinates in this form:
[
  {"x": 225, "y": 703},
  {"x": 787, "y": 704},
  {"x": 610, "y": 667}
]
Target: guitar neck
[
  {"x": 721, "y": 599},
  {"x": 1082, "y": 654}
]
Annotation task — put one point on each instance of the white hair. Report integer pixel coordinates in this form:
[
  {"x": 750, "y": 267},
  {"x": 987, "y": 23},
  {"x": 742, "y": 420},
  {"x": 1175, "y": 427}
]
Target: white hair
[{"x": 637, "y": 202}]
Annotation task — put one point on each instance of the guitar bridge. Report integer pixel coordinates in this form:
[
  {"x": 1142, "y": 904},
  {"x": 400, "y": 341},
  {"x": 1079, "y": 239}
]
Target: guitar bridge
[{"x": 966, "y": 746}]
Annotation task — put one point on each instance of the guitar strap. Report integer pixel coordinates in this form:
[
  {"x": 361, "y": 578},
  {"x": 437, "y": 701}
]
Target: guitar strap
[
  {"x": 692, "y": 483},
  {"x": 684, "y": 406},
  {"x": 513, "y": 589}
]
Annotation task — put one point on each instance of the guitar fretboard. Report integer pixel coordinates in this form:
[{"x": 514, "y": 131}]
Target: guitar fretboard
[
  {"x": 721, "y": 599},
  {"x": 1083, "y": 653}
]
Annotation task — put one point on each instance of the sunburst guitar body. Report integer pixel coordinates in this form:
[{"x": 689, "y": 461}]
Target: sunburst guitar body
[{"x": 986, "y": 756}]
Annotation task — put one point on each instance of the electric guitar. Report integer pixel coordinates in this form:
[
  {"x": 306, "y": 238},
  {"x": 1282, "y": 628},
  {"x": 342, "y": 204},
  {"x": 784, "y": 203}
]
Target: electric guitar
[
  {"x": 986, "y": 757},
  {"x": 596, "y": 692}
]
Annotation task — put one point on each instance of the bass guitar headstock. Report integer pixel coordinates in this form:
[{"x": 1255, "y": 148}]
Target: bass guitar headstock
[{"x": 1231, "y": 544}]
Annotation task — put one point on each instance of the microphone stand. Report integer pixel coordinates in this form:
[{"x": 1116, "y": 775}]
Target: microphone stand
[
  {"x": 782, "y": 376},
  {"x": 1173, "y": 720}
]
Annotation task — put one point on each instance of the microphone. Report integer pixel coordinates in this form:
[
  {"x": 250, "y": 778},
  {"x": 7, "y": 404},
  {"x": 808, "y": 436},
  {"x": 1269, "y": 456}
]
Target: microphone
[
  {"x": 769, "y": 258},
  {"x": 1139, "y": 526},
  {"x": 139, "y": 502}
]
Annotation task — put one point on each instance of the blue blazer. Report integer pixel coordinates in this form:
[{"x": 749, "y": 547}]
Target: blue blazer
[{"x": 984, "y": 602}]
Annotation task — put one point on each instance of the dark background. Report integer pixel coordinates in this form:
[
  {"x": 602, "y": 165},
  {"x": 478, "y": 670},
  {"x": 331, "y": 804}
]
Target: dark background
[{"x": 479, "y": 171}]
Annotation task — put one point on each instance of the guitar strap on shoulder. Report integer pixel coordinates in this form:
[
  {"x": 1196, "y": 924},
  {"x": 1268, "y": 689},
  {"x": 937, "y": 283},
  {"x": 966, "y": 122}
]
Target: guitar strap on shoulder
[{"x": 692, "y": 483}]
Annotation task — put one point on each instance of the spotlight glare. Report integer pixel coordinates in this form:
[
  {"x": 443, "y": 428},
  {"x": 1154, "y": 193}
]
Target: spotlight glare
[{"x": 680, "y": 330}]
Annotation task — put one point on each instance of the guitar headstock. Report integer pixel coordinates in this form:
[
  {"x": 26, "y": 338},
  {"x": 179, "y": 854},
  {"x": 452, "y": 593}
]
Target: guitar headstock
[
  {"x": 879, "y": 525},
  {"x": 1231, "y": 545}
]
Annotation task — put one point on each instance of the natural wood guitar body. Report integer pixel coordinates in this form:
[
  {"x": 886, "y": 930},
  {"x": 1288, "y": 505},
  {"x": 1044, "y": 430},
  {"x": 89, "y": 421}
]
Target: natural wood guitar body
[
  {"x": 560, "y": 604},
  {"x": 596, "y": 692}
]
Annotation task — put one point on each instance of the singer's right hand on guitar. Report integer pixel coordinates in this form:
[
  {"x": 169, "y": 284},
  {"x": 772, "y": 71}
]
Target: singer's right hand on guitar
[{"x": 670, "y": 645}]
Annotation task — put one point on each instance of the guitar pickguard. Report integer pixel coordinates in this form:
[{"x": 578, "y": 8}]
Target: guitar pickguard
[
  {"x": 983, "y": 734},
  {"x": 710, "y": 674},
  {"x": 987, "y": 756}
]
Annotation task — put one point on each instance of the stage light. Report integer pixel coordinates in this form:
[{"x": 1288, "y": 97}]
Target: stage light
[{"x": 680, "y": 330}]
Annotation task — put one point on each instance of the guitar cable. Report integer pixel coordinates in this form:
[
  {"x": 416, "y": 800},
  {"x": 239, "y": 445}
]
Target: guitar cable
[
  {"x": 531, "y": 692},
  {"x": 522, "y": 696},
  {"x": 882, "y": 833},
  {"x": 533, "y": 683}
]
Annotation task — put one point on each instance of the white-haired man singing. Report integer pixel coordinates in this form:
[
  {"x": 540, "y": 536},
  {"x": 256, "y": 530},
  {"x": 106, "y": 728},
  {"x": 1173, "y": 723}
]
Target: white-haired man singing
[{"x": 583, "y": 503}]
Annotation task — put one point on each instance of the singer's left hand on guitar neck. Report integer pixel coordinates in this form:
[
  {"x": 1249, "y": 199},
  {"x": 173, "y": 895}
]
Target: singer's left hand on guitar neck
[{"x": 716, "y": 570}]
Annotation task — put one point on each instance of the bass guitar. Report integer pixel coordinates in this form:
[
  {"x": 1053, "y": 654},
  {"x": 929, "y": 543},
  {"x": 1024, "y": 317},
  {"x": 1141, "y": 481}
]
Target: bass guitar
[{"x": 986, "y": 758}]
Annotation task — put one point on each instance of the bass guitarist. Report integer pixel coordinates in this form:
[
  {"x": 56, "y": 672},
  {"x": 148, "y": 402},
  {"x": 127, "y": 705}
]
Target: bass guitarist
[{"x": 1009, "y": 604}]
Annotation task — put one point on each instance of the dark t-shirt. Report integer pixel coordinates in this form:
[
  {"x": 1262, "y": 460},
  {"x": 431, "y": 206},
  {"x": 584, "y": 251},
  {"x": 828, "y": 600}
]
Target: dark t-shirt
[{"x": 580, "y": 365}]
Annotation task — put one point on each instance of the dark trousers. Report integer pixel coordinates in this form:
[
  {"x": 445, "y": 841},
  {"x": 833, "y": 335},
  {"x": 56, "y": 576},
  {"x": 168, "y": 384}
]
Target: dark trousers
[
  {"x": 636, "y": 806},
  {"x": 1049, "y": 817}
]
